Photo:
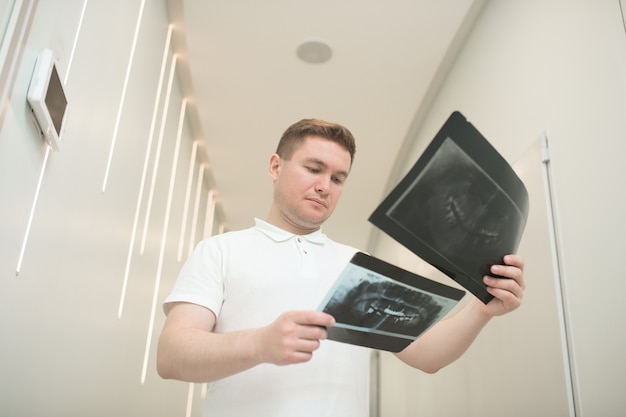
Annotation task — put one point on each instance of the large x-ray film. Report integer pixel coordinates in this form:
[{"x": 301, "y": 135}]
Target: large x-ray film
[
  {"x": 461, "y": 207},
  {"x": 382, "y": 306}
]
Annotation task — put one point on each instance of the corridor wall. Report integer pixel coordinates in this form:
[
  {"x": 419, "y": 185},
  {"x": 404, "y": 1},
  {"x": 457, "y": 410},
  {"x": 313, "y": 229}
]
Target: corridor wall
[{"x": 94, "y": 235}]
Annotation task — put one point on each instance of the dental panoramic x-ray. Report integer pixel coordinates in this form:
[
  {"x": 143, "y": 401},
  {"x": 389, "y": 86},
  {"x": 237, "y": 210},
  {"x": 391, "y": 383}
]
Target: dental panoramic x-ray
[
  {"x": 380, "y": 305},
  {"x": 461, "y": 208}
]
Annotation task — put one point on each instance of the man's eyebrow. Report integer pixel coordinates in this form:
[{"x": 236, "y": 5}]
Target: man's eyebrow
[{"x": 324, "y": 165}]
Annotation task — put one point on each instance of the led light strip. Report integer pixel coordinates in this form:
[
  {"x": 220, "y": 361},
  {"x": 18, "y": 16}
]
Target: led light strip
[
  {"x": 189, "y": 399},
  {"x": 123, "y": 97},
  {"x": 157, "y": 282},
  {"x": 157, "y": 156},
  {"x": 183, "y": 227},
  {"x": 32, "y": 211},
  {"x": 196, "y": 209},
  {"x": 146, "y": 163},
  {"x": 80, "y": 25},
  {"x": 208, "y": 232},
  {"x": 209, "y": 215}
]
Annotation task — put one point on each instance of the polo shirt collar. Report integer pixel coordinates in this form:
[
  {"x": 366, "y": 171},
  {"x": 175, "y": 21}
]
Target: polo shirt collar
[{"x": 279, "y": 235}]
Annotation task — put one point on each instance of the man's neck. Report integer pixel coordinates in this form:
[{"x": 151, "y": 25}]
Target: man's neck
[{"x": 275, "y": 218}]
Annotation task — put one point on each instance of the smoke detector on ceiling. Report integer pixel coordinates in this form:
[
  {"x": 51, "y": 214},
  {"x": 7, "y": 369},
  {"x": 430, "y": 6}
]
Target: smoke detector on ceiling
[{"x": 314, "y": 52}]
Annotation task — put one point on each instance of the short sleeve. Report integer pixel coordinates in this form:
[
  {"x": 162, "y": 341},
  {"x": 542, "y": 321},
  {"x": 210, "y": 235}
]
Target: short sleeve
[{"x": 200, "y": 279}]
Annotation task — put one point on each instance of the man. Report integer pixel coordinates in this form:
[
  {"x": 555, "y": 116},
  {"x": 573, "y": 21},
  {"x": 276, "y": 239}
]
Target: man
[{"x": 242, "y": 313}]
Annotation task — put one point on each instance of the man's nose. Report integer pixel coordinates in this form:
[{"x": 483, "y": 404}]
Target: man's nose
[{"x": 322, "y": 185}]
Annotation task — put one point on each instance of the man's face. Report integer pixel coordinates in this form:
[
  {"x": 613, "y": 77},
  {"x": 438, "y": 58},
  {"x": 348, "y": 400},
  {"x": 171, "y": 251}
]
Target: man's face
[{"x": 307, "y": 187}]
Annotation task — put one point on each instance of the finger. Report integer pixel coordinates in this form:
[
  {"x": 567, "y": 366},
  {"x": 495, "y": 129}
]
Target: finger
[
  {"x": 514, "y": 260},
  {"x": 501, "y": 288},
  {"x": 500, "y": 283},
  {"x": 313, "y": 318},
  {"x": 308, "y": 346},
  {"x": 300, "y": 357},
  {"x": 303, "y": 350},
  {"x": 312, "y": 332},
  {"x": 506, "y": 271},
  {"x": 507, "y": 298}
]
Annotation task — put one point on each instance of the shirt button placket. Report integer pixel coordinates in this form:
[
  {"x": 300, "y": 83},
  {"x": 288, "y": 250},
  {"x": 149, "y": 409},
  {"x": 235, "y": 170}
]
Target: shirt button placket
[{"x": 301, "y": 246}]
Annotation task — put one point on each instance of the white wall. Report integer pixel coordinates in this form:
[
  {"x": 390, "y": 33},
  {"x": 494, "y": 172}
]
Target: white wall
[
  {"x": 528, "y": 67},
  {"x": 64, "y": 351}
]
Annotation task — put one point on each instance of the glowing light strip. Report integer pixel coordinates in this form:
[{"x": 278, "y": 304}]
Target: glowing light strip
[
  {"x": 80, "y": 25},
  {"x": 32, "y": 211},
  {"x": 189, "y": 399},
  {"x": 183, "y": 227},
  {"x": 144, "y": 173},
  {"x": 196, "y": 209},
  {"x": 166, "y": 221},
  {"x": 157, "y": 156},
  {"x": 123, "y": 97},
  {"x": 211, "y": 203},
  {"x": 209, "y": 215}
]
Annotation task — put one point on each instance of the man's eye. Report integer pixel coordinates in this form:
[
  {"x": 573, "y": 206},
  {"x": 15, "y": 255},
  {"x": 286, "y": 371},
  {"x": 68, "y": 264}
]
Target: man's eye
[
  {"x": 313, "y": 170},
  {"x": 337, "y": 180}
]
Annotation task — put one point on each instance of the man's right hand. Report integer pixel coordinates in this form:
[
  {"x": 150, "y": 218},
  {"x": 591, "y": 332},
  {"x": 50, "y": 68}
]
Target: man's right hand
[
  {"x": 293, "y": 336},
  {"x": 190, "y": 351}
]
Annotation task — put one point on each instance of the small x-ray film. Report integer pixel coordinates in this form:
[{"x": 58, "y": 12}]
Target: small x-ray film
[{"x": 378, "y": 305}]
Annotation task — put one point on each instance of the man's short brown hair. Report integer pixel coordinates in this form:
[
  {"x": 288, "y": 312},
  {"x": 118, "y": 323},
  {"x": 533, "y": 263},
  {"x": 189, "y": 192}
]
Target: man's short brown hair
[{"x": 297, "y": 132}]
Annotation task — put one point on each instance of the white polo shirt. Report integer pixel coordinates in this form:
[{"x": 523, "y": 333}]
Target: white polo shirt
[{"x": 248, "y": 278}]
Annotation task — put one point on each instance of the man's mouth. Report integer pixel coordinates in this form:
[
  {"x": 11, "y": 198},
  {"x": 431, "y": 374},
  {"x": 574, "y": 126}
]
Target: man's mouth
[{"x": 318, "y": 201}]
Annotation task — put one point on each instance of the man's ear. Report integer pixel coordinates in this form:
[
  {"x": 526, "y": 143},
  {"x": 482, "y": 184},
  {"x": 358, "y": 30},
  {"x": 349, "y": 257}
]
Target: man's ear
[{"x": 275, "y": 162}]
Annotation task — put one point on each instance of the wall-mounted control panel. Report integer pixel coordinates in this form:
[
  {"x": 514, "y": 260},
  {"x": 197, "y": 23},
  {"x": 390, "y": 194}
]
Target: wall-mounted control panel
[{"x": 47, "y": 99}]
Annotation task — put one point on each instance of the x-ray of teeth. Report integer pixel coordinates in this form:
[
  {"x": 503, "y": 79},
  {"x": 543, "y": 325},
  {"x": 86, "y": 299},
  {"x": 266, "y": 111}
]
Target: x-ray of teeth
[
  {"x": 383, "y": 306},
  {"x": 461, "y": 207},
  {"x": 371, "y": 301},
  {"x": 458, "y": 210}
]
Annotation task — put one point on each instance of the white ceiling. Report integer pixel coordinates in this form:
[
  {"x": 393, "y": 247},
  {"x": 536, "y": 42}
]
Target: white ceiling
[{"x": 248, "y": 85}]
